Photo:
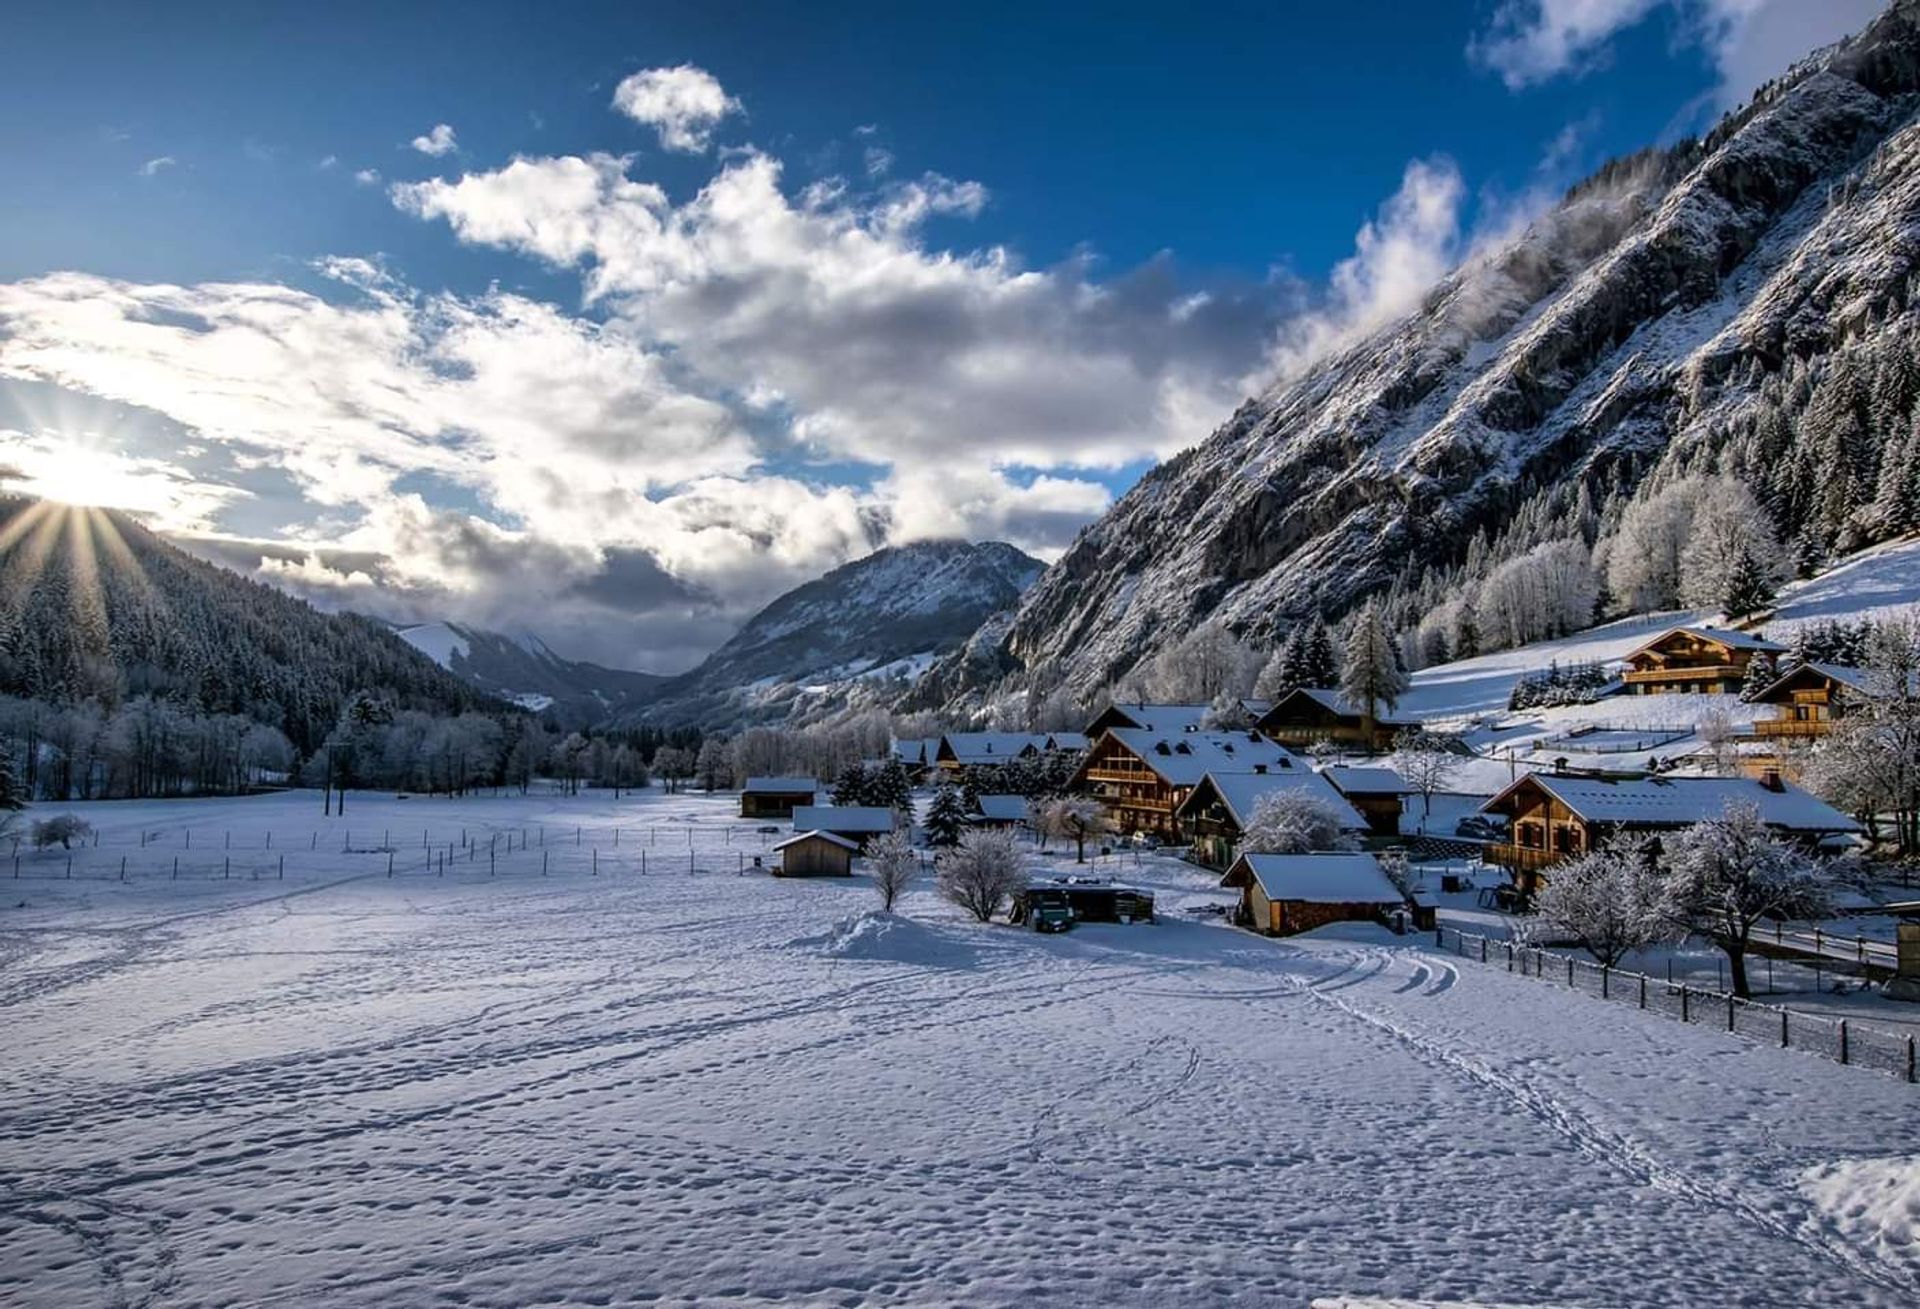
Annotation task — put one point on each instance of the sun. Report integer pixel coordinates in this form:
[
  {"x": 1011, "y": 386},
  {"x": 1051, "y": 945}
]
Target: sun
[
  {"x": 87, "y": 473},
  {"x": 76, "y": 476}
]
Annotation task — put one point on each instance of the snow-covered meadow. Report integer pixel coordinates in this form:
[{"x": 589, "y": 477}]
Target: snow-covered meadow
[{"x": 695, "y": 1084}]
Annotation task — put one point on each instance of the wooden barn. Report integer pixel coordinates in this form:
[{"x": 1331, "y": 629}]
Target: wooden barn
[
  {"x": 856, "y": 823},
  {"x": 1809, "y": 700},
  {"x": 1141, "y": 777},
  {"x": 815, "y": 854},
  {"x": 1376, "y": 792},
  {"x": 1218, "y": 810},
  {"x": 1554, "y": 817},
  {"x": 775, "y": 797},
  {"x": 1698, "y": 659},
  {"x": 1281, "y": 894},
  {"x": 1008, "y": 811},
  {"x": 1307, "y": 715}
]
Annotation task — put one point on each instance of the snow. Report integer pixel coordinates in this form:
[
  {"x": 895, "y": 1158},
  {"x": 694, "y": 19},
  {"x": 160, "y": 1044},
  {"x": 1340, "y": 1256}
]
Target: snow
[
  {"x": 1322, "y": 878},
  {"x": 693, "y": 1085},
  {"x": 437, "y": 641},
  {"x": 1876, "y": 1202}
]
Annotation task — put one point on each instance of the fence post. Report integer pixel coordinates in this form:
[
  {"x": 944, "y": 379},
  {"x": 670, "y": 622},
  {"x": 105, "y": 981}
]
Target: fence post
[
  {"x": 1483, "y": 949},
  {"x": 1843, "y": 1040},
  {"x": 1603, "y": 982},
  {"x": 176, "y": 868},
  {"x": 1509, "y": 956},
  {"x": 1569, "y": 970},
  {"x": 283, "y": 868},
  {"x": 69, "y": 865},
  {"x": 1909, "y": 1058},
  {"x": 389, "y": 863},
  {"x": 123, "y": 868},
  {"x": 543, "y": 857},
  {"x": 643, "y": 862},
  {"x": 1783, "y": 1027},
  {"x": 226, "y": 867},
  {"x": 596, "y": 861},
  {"x": 1683, "y": 1002},
  {"x": 1729, "y": 1013},
  {"x": 1643, "y": 990},
  {"x": 1439, "y": 937}
]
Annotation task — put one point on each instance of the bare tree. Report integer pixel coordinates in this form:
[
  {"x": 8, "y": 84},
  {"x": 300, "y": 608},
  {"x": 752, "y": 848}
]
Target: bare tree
[
  {"x": 1425, "y": 762},
  {"x": 981, "y": 872},
  {"x": 1075, "y": 818},
  {"x": 1294, "y": 822},
  {"x": 61, "y": 830},
  {"x": 894, "y": 863},
  {"x": 1606, "y": 901}
]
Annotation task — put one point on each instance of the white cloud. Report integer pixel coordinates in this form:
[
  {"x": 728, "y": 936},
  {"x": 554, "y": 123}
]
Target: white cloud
[
  {"x": 1750, "y": 41},
  {"x": 367, "y": 176},
  {"x": 682, "y": 104},
  {"x": 153, "y": 166},
  {"x": 440, "y": 141}
]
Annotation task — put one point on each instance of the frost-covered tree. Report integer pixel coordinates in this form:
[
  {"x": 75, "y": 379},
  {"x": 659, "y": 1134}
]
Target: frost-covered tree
[
  {"x": 1726, "y": 874},
  {"x": 1606, "y": 901},
  {"x": 714, "y": 764},
  {"x": 1209, "y": 663},
  {"x": 1732, "y": 557},
  {"x": 1643, "y": 557},
  {"x": 894, "y": 864},
  {"x": 1370, "y": 674},
  {"x": 61, "y": 830},
  {"x": 946, "y": 815},
  {"x": 1294, "y": 822},
  {"x": 1549, "y": 591},
  {"x": 980, "y": 872},
  {"x": 1869, "y": 764},
  {"x": 1426, "y": 761},
  {"x": 1075, "y": 818}
]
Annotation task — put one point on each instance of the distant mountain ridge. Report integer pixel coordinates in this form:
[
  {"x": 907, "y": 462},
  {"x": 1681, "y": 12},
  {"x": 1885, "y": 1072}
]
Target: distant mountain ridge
[
  {"x": 1749, "y": 302},
  {"x": 857, "y": 635},
  {"x": 524, "y": 671}
]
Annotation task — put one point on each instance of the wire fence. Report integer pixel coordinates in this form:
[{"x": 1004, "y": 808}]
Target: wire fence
[{"x": 1843, "y": 1040}]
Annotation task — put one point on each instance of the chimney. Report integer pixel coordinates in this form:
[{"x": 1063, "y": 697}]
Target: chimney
[{"x": 1771, "y": 780}]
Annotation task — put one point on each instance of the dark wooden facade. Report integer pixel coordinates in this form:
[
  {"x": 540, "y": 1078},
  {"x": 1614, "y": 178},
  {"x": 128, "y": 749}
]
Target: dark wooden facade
[
  {"x": 1304, "y": 717},
  {"x": 1694, "y": 659},
  {"x": 815, "y": 854}
]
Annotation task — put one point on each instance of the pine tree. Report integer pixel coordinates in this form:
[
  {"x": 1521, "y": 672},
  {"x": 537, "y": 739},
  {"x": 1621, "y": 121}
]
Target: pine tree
[
  {"x": 1749, "y": 588},
  {"x": 1317, "y": 664},
  {"x": 1371, "y": 674},
  {"x": 851, "y": 787},
  {"x": 1466, "y": 631},
  {"x": 946, "y": 816},
  {"x": 12, "y": 796}
]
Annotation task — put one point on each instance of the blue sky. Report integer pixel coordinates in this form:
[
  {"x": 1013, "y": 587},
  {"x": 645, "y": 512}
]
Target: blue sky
[{"x": 473, "y": 294}]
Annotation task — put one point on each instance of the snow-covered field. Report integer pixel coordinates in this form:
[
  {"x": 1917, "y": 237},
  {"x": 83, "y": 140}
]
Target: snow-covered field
[{"x": 348, "y": 1089}]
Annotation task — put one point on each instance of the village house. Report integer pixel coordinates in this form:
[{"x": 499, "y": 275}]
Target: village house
[
  {"x": 1281, "y": 894},
  {"x": 1218, "y": 810},
  {"x": 1307, "y": 715},
  {"x": 775, "y": 797},
  {"x": 856, "y": 823},
  {"x": 1554, "y": 817},
  {"x": 1005, "y": 811},
  {"x": 815, "y": 854},
  {"x": 918, "y": 755},
  {"x": 1809, "y": 699},
  {"x": 962, "y": 750},
  {"x": 1148, "y": 718},
  {"x": 1067, "y": 742},
  {"x": 1698, "y": 659},
  {"x": 1376, "y": 792},
  {"x": 1142, "y": 776}
]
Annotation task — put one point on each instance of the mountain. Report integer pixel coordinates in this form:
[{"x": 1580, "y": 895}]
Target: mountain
[
  {"x": 524, "y": 671},
  {"x": 94, "y": 607},
  {"x": 1743, "y": 303},
  {"x": 855, "y": 636}
]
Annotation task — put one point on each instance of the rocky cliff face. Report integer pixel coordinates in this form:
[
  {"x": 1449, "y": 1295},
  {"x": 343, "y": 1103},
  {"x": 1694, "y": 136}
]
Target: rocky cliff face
[
  {"x": 1633, "y": 327},
  {"x": 854, "y": 637},
  {"x": 523, "y": 671}
]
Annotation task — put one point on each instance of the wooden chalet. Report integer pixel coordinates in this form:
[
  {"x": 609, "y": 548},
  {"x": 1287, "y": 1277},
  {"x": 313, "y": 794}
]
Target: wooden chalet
[
  {"x": 1142, "y": 776},
  {"x": 815, "y": 854},
  {"x": 1006, "y": 811},
  {"x": 919, "y": 756},
  {"x": 1376, "y": 792},
  {"x": 1307, "y": 715},
  {"x": 963, "y": 750},
  {"x": 1697, "y": 659},
  {"x": 1281, "y": 894},
  {"x": 856, "y": 823},
  {"x": 1148, "y": 718},
  {"x": 1809, "y": 699},
  {"x": 1554, "y": 817},
  {"x": 775, "y": 797},
  {"x": 1217, "y": 811}
]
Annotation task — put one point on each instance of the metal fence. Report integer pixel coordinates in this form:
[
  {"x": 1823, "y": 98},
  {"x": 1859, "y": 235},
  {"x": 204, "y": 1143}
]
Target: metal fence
[{"x": 1843, "y": 1040}]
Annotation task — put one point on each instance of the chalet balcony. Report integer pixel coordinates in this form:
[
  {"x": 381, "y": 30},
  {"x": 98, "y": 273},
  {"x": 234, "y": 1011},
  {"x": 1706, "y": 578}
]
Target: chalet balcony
[
  {"x": 1523, "y": 858},
  {"x": 1792, "y": 728},
  {"x": 1687, "y": 673}
]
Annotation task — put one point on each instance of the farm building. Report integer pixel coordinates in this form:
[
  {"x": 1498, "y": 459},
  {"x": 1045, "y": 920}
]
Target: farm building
[
  {"x": 1709, "y": 659},
  {"x": 856, "y": 823},
  {"x": 960, "y": 750},
  {"x": 815, "y": 854},
  {"x": 775, "y": 797},
  {"x": 1090, "y": 900},
  {"x": 1375, "y": 792},
  {"x": 1307, "y": 715},
  {"x": 1001, "y": 811},
  {"x": 1220, "y": 807},
  {"x": 1281, "y": 894},
  {"x": 1067, "y": 742},
  {"x": 1148, "y": 718},
  {"x": 1553, "y": 817},
  {"x": 1810, "y": 699},
  {"x": 919, "y": 755},
  {"x": 1141, "y": 777}
]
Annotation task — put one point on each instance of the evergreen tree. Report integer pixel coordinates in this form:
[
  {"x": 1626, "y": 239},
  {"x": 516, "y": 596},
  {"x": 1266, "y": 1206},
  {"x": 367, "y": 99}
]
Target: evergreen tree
[
  {"x": 1318, "y": 665},
  {"x": 1466, "y": 631},
  {"x": 13, "y": 797},
  {"x": 1371, "y": 674},
  {"x": 1748, "y": 587},
  {"x": 851, "y": 788},
  {"x": 946, "y": 816}
]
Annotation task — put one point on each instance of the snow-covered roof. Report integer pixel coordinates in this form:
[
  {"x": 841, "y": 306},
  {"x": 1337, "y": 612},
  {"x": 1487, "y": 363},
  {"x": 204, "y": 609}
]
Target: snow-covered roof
[
  {"x": 1241, "y": 793},
  {"x": 1183, "y": 758},
  {"x": 1857, "y": 679},
  {"x": 1340, "y": 704},
  {"x": 1333, "y": 878},
  {"x": 842, "y": 818},
  {"x": 1067, "y": 741},
  {"x": 1724, "y": 635},
  {"x": 1159, "y": 717},
  {"x": 1365, "y": 781},
  {"x": 798, "y": 837},
  {"x": 991, "y": 747},
  {"x": 1681, "y": 801},
  {"x": 781, "y": 785},
  {"x": 917, "y": 750},
  {"x": 1004, "y": 808}
]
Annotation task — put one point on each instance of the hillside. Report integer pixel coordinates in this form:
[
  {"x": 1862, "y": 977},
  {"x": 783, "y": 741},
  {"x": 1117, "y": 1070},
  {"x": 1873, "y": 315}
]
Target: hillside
[
  {"x": 95, "y": 607},
  {"x": 1742, "y": 303},
  {"x": 524, "y": 671},
  {"x": 855, "y": 636}
]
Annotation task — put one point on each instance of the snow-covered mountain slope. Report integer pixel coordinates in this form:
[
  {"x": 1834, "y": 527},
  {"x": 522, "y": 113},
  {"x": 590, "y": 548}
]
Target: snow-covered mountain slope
[
  {"x": 854, "y": 636},
  {"x": 525, "y": 672},
  {"x": 1631, "y": 331}
]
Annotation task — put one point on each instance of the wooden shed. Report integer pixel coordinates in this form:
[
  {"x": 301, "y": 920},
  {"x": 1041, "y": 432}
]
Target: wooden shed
[
  {"x": 859, "y": 824},
  {"x": 775, "y": 797},
  {"x": 815, "y": 854},
  {"x": 1281, "y": 894}
]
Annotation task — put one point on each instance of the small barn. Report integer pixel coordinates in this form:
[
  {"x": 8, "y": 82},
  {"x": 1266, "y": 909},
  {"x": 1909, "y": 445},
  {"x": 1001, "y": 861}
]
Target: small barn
[
  {"x": 1217, "y": 812},
  {"x": 1375, "y": 792},
  {"x": 856, "y": 823},
  {"x": 1281, "y": 894},
  {"x": 815, "y": 854},
  {"x": 1001, "y": 811},
  {"x": 775, "y": 797}
]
